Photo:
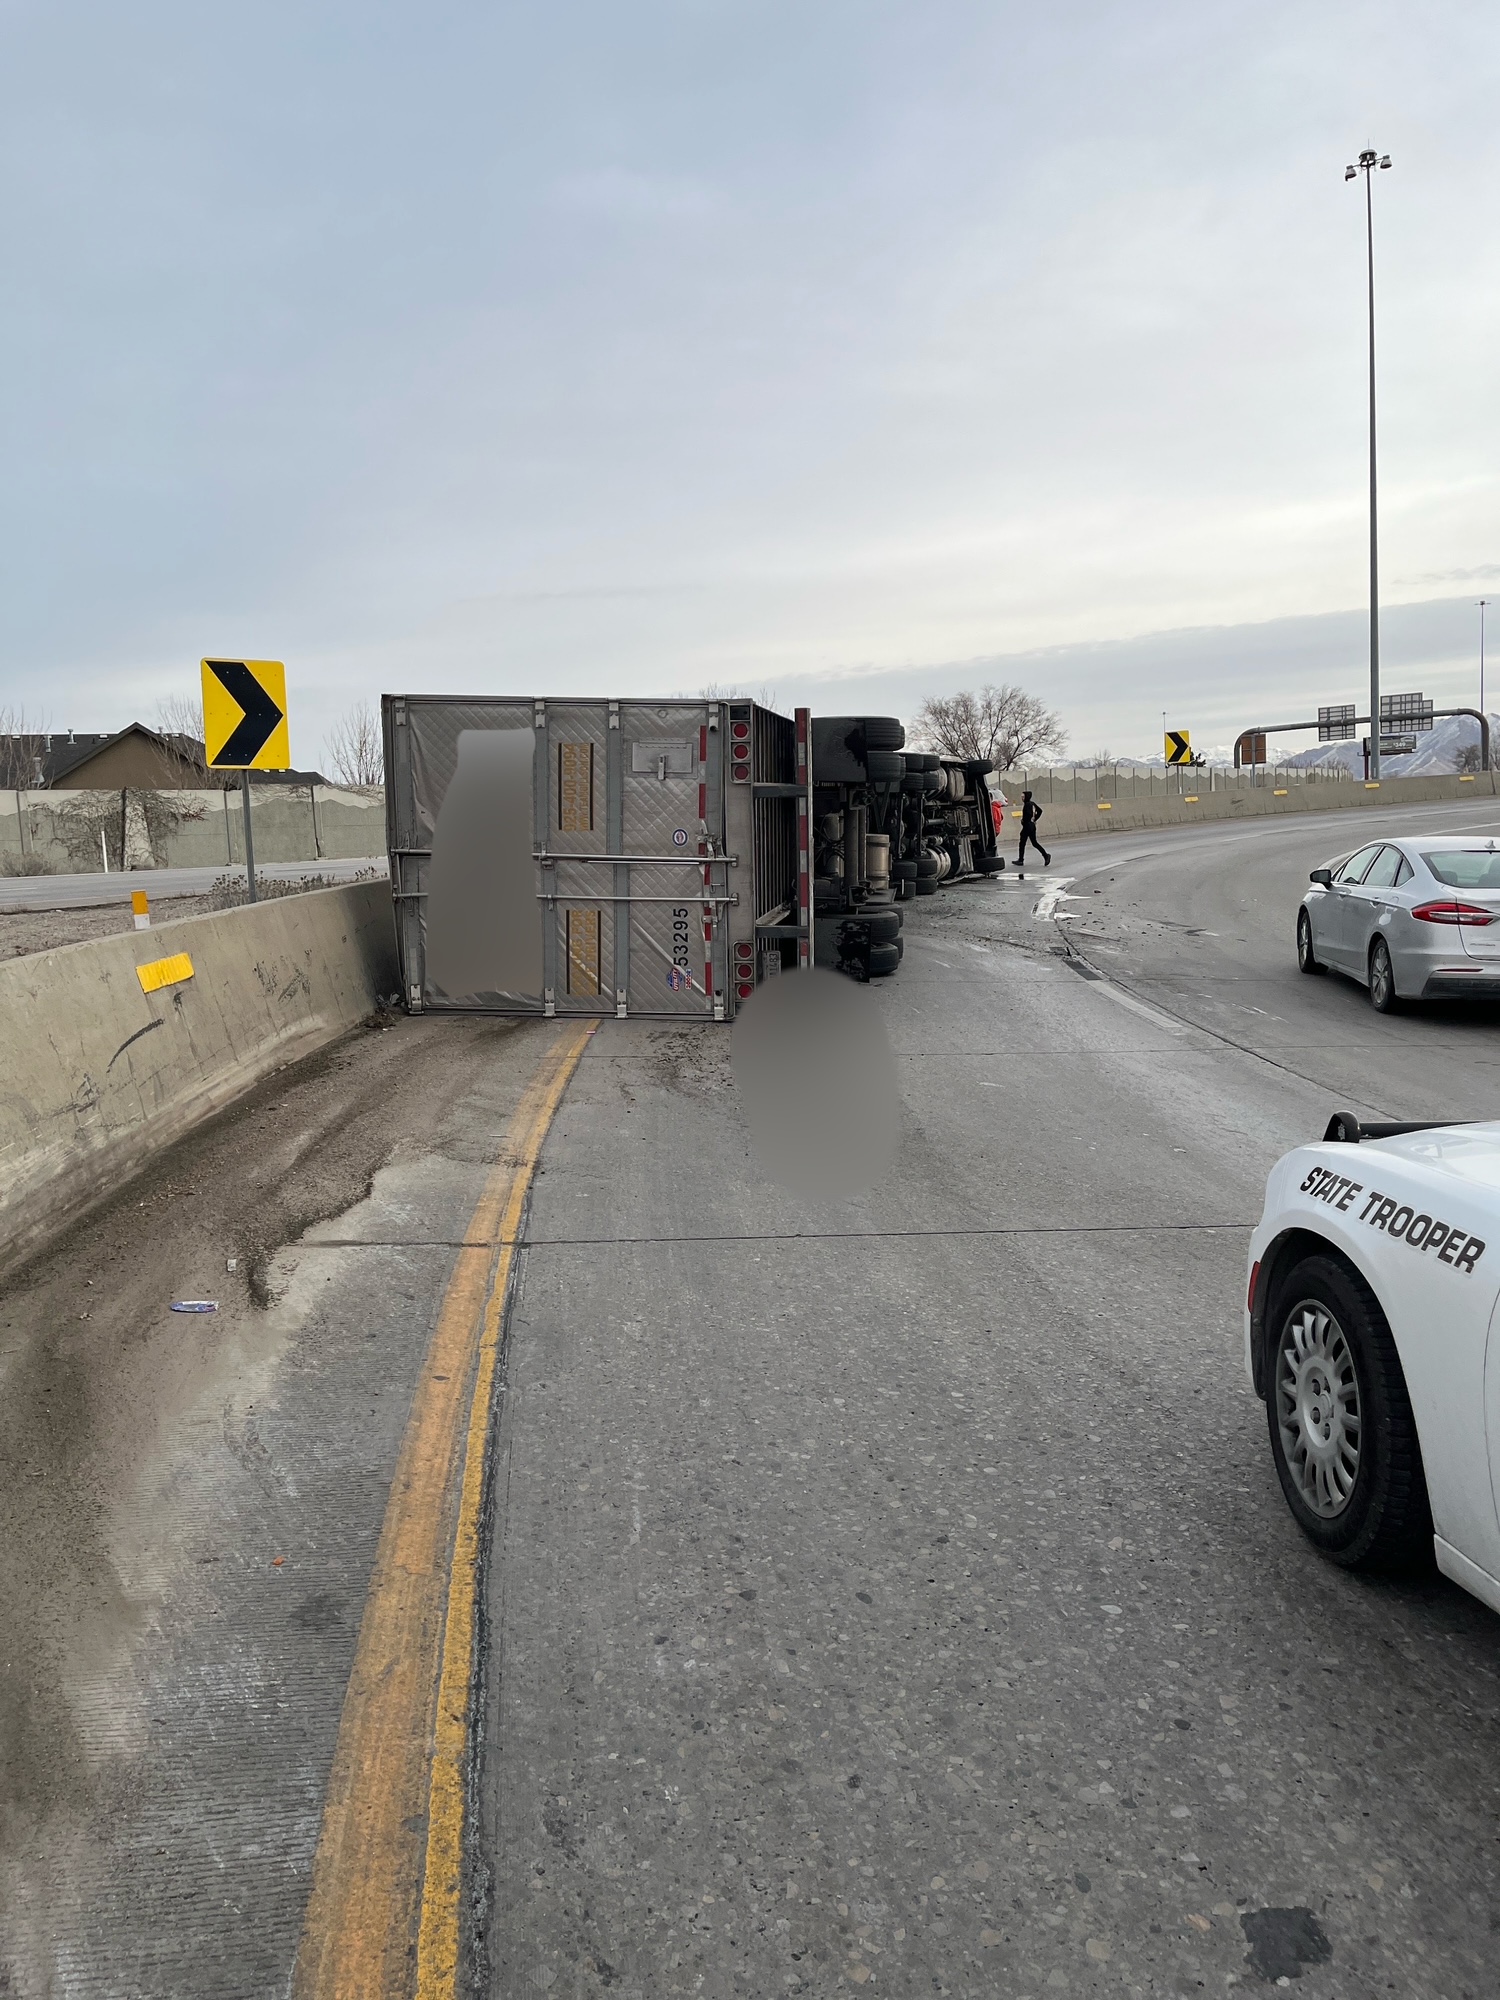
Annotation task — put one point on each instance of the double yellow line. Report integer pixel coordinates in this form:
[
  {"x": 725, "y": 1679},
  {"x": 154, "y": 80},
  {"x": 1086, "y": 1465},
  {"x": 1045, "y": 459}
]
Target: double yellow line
[{"x": 383, "y": 1916}]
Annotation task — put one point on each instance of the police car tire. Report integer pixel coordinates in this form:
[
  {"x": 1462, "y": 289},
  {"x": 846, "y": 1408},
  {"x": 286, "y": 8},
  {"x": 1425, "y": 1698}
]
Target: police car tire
[
  {"x": 1386, "y": 1522},
  {"x": 1383, "y": 997},
  {"x": 1307, "y": 958},
  {"x": 884, "y": 958}
]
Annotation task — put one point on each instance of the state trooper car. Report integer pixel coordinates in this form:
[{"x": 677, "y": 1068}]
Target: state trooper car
[{"x": 1372, "y": 1337}]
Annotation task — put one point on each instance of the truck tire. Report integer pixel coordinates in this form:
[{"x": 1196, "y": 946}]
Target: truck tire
[
  {"x": 927, "y": 865},
  {"x": 923, "y": 760},
  {"x": 885, "y": 766},
  {"x": 903, "y": 871},
  {"x": 1343, "y": 1436},
  {"x": 926, "y": 885},
  {"x": 933, "y": 783},
  {"x": 884, "y": 732},
  {"x": 884, "y": 958},
  {"x": 885, "y": 925},
  {"x": 978, "y": 767},
  {"x": 990, "y": 864}
]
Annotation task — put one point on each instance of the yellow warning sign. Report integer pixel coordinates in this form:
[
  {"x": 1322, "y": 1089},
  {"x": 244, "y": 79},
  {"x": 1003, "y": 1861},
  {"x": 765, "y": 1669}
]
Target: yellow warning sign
[
  {"x": 244, "y": 716},
  {"x": 1179, "y": 744},
  {"x": 162, "y": 972}
]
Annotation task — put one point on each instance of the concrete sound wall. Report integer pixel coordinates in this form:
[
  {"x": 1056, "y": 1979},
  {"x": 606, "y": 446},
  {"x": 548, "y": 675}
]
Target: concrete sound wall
[
  {"x": 1127, "y": 815},
  {"x": 96, "y": 1073}
]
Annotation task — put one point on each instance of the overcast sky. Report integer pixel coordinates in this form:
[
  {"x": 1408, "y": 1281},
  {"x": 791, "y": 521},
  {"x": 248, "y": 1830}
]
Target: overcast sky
[{"x": 850, "y": 348}]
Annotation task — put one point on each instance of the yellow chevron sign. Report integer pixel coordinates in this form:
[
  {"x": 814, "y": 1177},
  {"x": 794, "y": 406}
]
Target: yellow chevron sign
[{"x": 1179, "y": 746}]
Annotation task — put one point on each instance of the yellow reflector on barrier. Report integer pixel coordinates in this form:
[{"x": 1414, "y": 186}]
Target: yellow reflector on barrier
[
  {"x": 1466, "y": 781},
  {"x": 1372, "y": 784},
  {"x": 1280, "y": 794},
  {"x": 1191, "y": 799},
  {"x": 1106, "y": 805},
  {"x": 162, "y": 972}
]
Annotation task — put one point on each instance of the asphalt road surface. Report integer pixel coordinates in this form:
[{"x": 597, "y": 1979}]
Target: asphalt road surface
[{"x": 889, "y": 1593}]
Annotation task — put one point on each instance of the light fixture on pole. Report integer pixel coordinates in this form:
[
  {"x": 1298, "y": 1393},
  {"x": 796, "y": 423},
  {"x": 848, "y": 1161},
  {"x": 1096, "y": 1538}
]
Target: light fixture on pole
[
  {"x": 1482, "y": 603},
  {"x": 1368, "y": 162}
]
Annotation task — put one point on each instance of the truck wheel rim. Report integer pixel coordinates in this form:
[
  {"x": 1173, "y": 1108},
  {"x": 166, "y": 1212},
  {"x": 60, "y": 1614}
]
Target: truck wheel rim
[{"x": 1317, "y": 1408}]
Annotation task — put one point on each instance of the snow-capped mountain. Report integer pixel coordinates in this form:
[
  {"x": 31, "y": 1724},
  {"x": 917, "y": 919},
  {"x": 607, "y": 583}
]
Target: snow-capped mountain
[{"x": 1436, "y": 754}]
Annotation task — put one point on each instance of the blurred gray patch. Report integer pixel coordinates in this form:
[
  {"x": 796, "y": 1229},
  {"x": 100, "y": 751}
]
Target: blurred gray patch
[
  {"x": 484, "y": 923},
  {"x": 817, "y": 1083},
  {"x": 1284, "y": 1942}
]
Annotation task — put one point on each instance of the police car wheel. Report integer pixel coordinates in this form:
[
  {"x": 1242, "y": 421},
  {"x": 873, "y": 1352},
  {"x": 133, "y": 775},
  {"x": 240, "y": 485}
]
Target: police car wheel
[
  {"x": 1382, "y": 979},
  {"x": 1342, "y": 1432},
  {"x": 1307, "y": 958}
]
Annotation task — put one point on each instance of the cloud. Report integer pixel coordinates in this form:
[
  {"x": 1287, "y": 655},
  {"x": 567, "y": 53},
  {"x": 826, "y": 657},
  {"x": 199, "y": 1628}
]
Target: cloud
[{"x": 1485, "y": 573}]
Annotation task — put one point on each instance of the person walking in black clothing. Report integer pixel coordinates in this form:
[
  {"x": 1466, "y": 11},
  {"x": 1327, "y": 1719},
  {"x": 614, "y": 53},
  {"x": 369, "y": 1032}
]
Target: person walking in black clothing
[{"x": 1031, "y": 812}]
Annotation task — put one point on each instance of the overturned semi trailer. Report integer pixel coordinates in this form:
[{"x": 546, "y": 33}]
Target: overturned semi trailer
[{"x": 595, "y": 857}]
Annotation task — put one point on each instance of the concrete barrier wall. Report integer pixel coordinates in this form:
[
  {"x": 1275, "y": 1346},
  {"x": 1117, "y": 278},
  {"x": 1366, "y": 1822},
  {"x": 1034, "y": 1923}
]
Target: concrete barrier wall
[
  {"x": 96, "y": 1074},
  {"x": 1127, "y": 815},
  {"x": 188, "y": 829}
]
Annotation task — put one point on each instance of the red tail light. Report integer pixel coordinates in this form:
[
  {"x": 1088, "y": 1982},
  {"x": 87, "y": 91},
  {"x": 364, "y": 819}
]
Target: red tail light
[{"x": 1454, "y": 913}]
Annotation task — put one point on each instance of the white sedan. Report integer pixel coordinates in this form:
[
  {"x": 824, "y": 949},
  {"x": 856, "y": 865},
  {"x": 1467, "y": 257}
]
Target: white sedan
[
  {"x": 1409, "y": 918},
  {"x": 1374, "y": 1275}
]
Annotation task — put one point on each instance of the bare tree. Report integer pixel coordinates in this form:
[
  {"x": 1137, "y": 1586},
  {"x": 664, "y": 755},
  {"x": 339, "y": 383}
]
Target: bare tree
[
  {"x": 356, "y": 752},
  {"x": 179, "y": 719},
  {"x": 763, "y": 697},
  {"x": 1469, "y": 758},
  {"x": 23, "y": 744},
  {"x": 1004, "y": 725},
  {"x": 180, "y": 715}
]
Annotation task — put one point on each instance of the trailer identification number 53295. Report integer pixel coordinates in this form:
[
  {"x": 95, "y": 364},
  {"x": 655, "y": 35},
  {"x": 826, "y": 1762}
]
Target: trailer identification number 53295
[{"x": 681, "y": 953}]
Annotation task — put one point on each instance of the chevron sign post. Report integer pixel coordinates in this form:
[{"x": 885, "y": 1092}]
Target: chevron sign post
[{"x": 244, "y": 728}]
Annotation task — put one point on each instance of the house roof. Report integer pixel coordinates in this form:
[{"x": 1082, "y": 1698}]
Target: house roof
[{"x": 64, "y": 757}]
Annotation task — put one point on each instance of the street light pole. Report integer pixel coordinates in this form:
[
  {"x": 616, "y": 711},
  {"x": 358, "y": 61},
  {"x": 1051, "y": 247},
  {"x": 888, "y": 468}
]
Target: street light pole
[
  {"x": 1482, "y": 603},
  {"x": 1368, "y": 162}
]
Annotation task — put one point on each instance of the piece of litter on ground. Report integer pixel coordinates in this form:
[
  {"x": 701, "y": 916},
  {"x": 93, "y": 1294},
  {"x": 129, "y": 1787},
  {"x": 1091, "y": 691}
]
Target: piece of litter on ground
[
  {"x": 195, "y": 1305},
  {"x": 277, "y": 1561},
  {"x": 231, "y": 1263}
]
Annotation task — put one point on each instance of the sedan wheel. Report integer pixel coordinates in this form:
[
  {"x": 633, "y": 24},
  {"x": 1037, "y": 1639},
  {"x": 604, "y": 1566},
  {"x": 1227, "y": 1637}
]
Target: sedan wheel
[
  {"x": 1382, "y": 979},
  {"x": 1342, "y": 1431},
  {"x": 1307, "y": 958},
  {"x": 1317, "y": 1408}
]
